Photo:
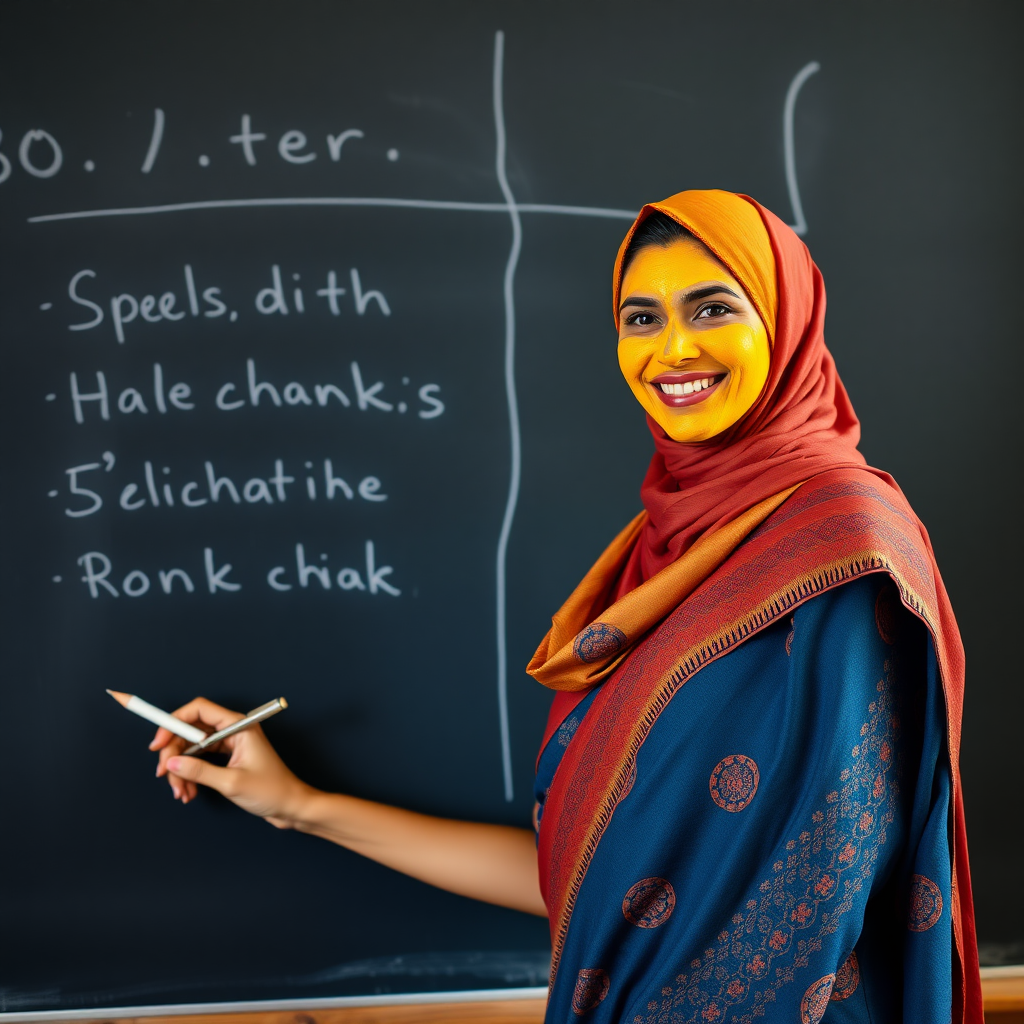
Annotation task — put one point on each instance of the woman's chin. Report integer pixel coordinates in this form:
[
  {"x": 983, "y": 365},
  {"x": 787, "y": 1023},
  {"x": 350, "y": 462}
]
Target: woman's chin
[{"x": 686, "y": 426}]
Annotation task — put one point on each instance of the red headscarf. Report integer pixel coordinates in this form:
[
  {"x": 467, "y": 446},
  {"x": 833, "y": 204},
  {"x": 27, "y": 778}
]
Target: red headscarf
[{"x": 803, "y": 422}]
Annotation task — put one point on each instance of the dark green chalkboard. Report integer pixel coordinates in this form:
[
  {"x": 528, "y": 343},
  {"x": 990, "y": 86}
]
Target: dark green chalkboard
[{"x": 445, "y": 184}]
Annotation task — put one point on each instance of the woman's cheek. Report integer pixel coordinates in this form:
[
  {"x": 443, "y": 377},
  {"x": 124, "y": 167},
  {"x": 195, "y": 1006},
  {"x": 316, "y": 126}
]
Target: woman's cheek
[
  {"x": 734, "y": 347},
  {"x": 747, "y": 355},
  {"x": 633, "y": 359},
  {"x": 753, "y": 359}
]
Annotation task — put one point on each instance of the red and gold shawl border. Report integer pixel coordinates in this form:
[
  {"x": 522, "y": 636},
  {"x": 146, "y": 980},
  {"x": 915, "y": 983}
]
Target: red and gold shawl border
[{"x": 836, "y": 527}]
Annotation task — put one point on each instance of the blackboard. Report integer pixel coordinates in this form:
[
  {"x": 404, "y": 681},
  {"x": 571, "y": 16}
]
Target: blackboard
[{"x": 376, "y": 244}]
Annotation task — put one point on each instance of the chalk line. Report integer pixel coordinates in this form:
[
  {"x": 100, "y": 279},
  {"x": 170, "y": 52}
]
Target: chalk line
[
  {"x": 409, "y": 204},
  {"x": 799, "y": 224},
  {"x": 513, "y": 409}
]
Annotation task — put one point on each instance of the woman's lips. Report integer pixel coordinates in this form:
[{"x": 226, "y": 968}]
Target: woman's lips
[{"x": 677, "y": 390}]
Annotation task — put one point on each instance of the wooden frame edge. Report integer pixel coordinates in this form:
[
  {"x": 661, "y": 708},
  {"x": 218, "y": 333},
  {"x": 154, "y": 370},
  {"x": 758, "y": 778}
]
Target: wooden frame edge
[{"x": 1002, "y": 987}]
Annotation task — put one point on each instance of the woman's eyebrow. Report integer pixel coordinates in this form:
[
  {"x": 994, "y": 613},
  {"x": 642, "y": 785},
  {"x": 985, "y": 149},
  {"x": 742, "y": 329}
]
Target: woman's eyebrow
[
  {"x": 711, "y": 289},
  {"x": 639, "y": 300},
  {"x": 690, "y": 296}
]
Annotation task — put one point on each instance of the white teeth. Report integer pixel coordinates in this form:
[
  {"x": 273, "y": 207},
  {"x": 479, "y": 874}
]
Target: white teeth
[{"x": 689, "y": 388}]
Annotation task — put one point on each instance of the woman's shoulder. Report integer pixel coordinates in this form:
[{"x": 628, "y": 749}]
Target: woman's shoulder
[
  {"x": 842, "y": 525},
  {"x": 869, "y": 602},
  {"x": 867, "y": 501}
]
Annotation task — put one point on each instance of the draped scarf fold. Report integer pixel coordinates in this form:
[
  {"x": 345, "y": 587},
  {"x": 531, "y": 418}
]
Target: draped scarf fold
[{"x": 707, "y": 509}]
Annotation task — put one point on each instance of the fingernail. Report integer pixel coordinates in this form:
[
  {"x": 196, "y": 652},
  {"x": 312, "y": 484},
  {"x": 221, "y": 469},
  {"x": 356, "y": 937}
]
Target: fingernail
[{"x": 174, "y": 764}]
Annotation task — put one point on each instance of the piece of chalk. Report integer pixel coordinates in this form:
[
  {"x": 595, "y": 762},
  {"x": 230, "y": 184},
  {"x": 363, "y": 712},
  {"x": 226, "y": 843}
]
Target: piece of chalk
[{"x": 158, "y": 717}]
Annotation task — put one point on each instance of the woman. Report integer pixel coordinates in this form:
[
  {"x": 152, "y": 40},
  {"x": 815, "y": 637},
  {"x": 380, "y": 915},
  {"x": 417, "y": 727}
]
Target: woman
[{"x": 748, "y": 793}]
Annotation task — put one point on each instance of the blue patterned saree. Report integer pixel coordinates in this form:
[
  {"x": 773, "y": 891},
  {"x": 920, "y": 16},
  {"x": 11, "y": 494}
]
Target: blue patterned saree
[{"x": 780, "y": 849}]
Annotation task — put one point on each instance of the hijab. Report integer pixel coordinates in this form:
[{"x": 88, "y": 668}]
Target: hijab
[
  {"x": 801, "y": 425},
  {"x": 702, "y": 499}
]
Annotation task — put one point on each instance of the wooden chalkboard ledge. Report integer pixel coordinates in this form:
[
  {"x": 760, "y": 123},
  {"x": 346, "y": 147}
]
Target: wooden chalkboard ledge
[
  {"x": 493, "y": 1006},
  {"x": 1004, "y": 994},
  {"x": 497, "y": 1011},
  {"x": 1003, "y": 989}
]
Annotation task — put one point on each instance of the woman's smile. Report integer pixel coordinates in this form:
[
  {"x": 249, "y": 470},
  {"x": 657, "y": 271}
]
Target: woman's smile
[{"x": 678, "y": 390}]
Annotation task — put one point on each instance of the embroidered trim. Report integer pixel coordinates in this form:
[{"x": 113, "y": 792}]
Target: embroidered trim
[
  {"x": 733, "y": 782},
  {"x": 847, "y": 979},
  {"x": 816, "y": 999},
  {"x": 598, "y": 641},
  {"x": 925, "y": 904},
  {"x": 592, "y": 984},
  {"x": 649, "y": 903}
]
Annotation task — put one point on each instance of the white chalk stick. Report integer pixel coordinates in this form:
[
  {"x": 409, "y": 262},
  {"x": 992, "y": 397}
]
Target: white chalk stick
[{"x": 158, "y": 717}]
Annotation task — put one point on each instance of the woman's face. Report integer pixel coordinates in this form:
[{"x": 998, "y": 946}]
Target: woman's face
[{"x": 692, "y": 347}]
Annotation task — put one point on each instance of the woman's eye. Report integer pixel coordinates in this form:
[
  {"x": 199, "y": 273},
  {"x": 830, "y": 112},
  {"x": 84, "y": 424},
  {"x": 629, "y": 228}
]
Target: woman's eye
[
  {"x": 641, "y": 319},
  {"x": 713, "y": 309}
]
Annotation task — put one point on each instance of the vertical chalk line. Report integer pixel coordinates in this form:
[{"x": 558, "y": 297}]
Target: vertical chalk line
[
  {"x": 154, "y": 142},
  {"x": 513, "y": 409},
  {"x": 799, "y": 224}
]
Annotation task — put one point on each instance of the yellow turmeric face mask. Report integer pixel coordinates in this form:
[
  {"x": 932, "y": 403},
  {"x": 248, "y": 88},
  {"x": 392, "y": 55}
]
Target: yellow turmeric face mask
[{"x": 692, "y": 347}]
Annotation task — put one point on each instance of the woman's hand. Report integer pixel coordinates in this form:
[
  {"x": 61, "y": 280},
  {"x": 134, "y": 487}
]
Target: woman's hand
[{"x": 255, "y": 777}]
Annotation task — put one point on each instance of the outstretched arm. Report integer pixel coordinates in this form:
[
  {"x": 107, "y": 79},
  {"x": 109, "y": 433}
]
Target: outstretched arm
[{"x": 494, "y": 863}]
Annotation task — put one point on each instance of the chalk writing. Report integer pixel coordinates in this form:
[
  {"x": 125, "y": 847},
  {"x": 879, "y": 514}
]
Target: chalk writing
[
  {"x": 348, "y": 311},
  {"x": 151, "y": 485},
  {"x": 91, "y": 396},
  {"x": 364, "y": 576}
]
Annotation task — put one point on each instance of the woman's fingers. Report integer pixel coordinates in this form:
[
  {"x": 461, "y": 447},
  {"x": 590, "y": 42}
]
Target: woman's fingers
[
  {"x": 198, "y": 711},
  {"x": 161, "y": 739},
  {"x": 193, "y": 769},
  {"x": 205, "y": 712},
  {"x": 174, "y": 746}
]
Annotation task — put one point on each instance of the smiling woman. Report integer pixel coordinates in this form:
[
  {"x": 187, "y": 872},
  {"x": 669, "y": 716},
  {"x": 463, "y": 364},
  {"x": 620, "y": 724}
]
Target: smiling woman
[{"x": 748, "y": 795}]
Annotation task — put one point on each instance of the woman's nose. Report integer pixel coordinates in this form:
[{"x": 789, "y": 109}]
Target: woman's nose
[{"x": 679, "y": 346}]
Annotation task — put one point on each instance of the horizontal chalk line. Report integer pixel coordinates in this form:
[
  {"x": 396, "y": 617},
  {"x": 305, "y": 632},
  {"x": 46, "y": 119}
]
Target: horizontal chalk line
[{"x": 408, "y": 204}]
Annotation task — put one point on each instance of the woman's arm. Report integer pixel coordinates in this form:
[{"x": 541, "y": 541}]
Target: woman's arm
[{"x": 494, "y": 863}]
